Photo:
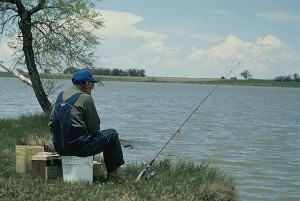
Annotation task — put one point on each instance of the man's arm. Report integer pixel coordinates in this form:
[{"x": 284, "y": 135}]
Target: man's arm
[{"x": 91, "y": 114}]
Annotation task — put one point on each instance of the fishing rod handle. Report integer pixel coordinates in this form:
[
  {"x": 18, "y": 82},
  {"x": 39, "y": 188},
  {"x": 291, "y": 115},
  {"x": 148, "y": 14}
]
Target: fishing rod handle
[{"x": 142, "y": 174}]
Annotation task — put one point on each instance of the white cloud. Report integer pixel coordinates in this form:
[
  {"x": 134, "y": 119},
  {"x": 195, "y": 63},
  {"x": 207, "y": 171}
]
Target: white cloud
[
  {"x": 231, "y": 48},
  {"x": 280, "y": 16},
  {"x": 289, "y": 56},
  {"x": 269, "y": 42},
  {"x": 267, "y": 49},
  {"x": 123, "y": 25},
  {"x": 128, "y": 46},
  {"x": 124, "y": 45},
  {"x": 261, "y": 56}
]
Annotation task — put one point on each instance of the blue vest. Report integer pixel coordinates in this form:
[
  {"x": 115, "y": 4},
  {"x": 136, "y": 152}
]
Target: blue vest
[{"x": 61, "y": 123}]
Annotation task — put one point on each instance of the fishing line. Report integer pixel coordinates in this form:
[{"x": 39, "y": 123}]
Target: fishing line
[{"x": 178, "y": 130}]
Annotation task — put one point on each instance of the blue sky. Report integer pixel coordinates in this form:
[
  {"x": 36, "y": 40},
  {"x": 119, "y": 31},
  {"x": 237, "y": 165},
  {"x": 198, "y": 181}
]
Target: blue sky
[{"x": 199, "y": 38}]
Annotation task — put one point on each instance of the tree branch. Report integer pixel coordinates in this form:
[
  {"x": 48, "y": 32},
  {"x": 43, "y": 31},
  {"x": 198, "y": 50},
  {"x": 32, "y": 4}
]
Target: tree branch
[
  {"x": 16, "y": 73},
  {"x": 37, "y": 8},
  {"x": 4, "y": 23},
  {"x": 8, "y": 1}
]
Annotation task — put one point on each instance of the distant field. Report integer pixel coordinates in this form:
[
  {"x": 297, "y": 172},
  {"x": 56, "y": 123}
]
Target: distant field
[{"x": 253, "y": 82}]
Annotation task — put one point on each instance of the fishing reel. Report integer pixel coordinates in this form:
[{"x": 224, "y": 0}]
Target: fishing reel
[{"x": 149, "y": 176}]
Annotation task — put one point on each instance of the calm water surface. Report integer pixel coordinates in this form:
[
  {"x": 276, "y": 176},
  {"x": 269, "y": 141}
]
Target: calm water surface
[{"x": 250, "y": 132}]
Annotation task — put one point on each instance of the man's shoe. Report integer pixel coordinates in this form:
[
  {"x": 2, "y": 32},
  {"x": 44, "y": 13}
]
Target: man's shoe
[{"x": 113, "y": 177}]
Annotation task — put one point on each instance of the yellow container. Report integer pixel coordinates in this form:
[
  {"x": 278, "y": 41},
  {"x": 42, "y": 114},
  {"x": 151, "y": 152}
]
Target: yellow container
[{"x": 24, "y": 155}]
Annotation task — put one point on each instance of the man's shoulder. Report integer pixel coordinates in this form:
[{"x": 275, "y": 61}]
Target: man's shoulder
[
  {"x": 74, "y": 90},
  {"x": 85, "y": 97}
]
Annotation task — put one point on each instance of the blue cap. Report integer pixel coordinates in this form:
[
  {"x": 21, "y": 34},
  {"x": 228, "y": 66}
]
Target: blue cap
[{"x": 82, "y": 77}]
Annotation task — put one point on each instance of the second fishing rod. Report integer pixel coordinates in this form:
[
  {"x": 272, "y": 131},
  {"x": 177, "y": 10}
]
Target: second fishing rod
[{"x": 178, "y": 130}]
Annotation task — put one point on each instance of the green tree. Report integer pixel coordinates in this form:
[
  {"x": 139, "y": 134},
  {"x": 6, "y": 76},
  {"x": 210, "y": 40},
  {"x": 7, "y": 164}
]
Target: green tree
[
  {"x": 141, "y": 73},
  {"x": 49, "y": 34},
  {"x": 116, "y": 72},
  {"x": 246, "y": 74},
  {"x": 296, "y": 77}
]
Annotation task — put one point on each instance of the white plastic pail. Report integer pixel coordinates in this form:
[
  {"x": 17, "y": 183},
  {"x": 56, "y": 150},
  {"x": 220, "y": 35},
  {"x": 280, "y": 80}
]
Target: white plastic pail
[{"x": 77, "y": 168}]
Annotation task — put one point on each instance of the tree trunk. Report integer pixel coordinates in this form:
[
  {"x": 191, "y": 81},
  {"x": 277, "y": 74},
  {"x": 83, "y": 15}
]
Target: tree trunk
[{"x": 25, "y": 27}]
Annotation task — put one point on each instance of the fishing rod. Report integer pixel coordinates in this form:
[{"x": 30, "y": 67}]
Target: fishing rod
[{"x": 178, "y": 130}]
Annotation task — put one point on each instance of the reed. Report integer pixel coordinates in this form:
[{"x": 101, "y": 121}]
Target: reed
[{"x": 171, "y": 181}]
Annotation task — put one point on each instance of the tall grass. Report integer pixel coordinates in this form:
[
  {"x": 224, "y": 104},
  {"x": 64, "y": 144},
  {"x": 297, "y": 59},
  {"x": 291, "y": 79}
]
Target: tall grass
[{"x": 172, "y": 180}]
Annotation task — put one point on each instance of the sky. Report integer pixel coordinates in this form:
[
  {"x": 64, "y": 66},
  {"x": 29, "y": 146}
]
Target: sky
[{"x": 200, "y": 38}]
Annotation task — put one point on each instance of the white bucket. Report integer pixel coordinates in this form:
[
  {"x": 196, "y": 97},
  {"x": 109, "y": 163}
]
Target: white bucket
[{"x": 77, "y": 168}]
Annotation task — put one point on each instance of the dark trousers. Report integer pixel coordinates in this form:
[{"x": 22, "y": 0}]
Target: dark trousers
[{"x": 106, "y": 141}]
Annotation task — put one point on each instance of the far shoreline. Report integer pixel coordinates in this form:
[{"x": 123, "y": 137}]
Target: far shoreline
[{"x": 184, "y": 80}]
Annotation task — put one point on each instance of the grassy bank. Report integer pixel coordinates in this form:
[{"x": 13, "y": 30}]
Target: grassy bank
[
  {"x": 253, "y": 82},
  {"x": 172, "y": 181}
]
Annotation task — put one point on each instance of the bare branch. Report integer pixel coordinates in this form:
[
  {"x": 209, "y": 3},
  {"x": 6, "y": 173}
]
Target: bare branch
[
  {"x": 16, "y": 73},
  {"x": 8, "y": 1},
  {"x": 5, "y": 22},
  {"x": 37, "y": 8}
]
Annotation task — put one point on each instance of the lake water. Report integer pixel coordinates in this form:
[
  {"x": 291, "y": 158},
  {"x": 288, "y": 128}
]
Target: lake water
[{"x": 252, "y": 133}]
